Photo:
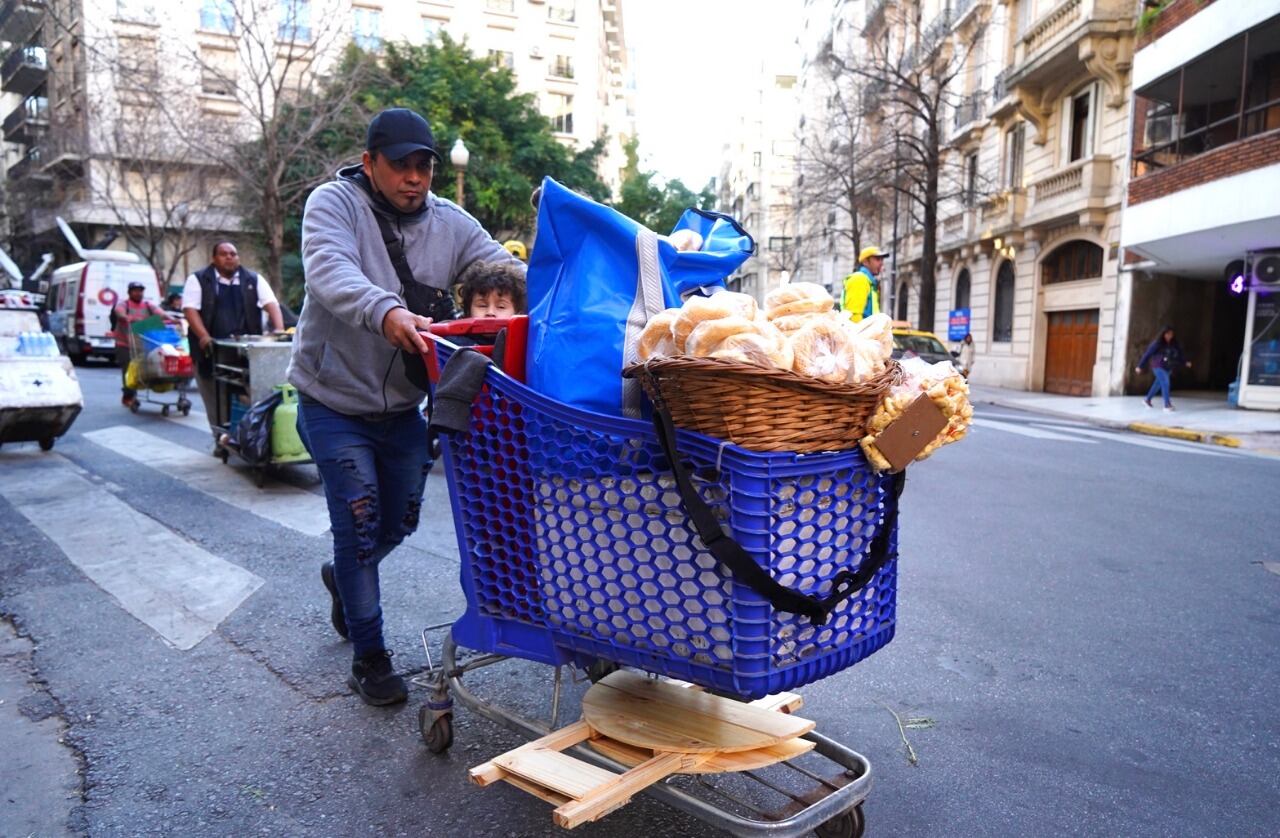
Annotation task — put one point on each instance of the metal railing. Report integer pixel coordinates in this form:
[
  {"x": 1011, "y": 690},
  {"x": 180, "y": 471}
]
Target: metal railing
[
  {"x": 30, "y": 56},
  {"x": 969, "y": 109},
  {"x": 1000, "y": 87}
]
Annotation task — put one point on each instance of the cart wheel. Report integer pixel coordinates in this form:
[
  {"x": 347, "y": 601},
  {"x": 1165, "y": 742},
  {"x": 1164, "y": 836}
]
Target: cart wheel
[
  {"x": 164, "y": 411},
  {"x": 438, "y": 734},
  {"x": 46, "y": 443},
  {"x": 847, "y": 824},
  {"x": 134, "y": 405},
  {"x": 184, "y": 408}
]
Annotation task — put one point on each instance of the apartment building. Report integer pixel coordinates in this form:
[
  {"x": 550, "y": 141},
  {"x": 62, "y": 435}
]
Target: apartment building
[
  {"x": 81, "y": 77},
  {"x": 1202, "y": 215},
  {"x": 1033, "y": 139},
  {"x": 757, "y": 177}
]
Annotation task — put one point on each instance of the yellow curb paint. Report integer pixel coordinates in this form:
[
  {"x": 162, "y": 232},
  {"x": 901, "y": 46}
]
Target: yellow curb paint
[
  {"x": 1174, "y": 433},
  {"x": 1219, "y": 439}
]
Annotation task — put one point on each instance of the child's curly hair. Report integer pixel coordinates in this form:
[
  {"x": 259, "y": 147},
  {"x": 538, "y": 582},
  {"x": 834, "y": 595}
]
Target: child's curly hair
[{"x": 482, "y": 277}]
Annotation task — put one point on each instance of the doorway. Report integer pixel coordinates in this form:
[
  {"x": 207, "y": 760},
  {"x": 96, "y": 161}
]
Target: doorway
[{"x": 1070, "y": 350}]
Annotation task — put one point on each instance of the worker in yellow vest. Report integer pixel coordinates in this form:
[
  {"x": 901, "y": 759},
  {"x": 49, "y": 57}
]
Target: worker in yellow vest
[{"x": 861, "y": 295}]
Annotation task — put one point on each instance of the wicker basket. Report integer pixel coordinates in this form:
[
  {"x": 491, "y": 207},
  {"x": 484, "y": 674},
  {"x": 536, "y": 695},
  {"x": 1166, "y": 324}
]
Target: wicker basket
[{"x": 762, "y": 409}]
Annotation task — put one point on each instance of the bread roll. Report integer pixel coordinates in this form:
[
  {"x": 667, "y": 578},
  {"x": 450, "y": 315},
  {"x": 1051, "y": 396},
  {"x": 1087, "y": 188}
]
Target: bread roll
[
  {"x": 797, "y": 298},
  {"x": 746, "y": 348},
  {"x": 791, "y": 323},
  {"x": 697, "y": 309},
  {"x": 685, "y": 240},
  {"x": 822, "y": 351},
  {"x": 656, "y": 340},
  {"x": 709, "y": 334}
]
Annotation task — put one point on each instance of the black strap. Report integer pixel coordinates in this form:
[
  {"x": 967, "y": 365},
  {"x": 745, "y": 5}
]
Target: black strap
[
  {"x": 421, "y": 299},
  {"x": 745, "y": 569}
]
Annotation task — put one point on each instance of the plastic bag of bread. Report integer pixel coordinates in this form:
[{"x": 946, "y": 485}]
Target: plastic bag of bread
[
  {"x": 943, "y": 385},
  {"x": 656, "y": 340},
  {"x": 797, "y": 298},
  {"x": 789, "y": 324},
  {"x": 697, "y": 309},
  {"x": 872, "y": 341},
  {"x": 736, "y": 338},
  {"x": 822, "y": 351},
  {"x": 878, "y": 328}
]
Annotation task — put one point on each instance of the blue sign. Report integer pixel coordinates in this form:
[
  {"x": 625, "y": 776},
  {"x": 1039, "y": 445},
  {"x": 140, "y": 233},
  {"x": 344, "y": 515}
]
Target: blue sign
[{"x": 958, "y": 324}]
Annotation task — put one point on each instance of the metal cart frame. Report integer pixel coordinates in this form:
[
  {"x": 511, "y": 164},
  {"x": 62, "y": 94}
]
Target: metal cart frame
[
  {"x": 181, "y": 384},
  {"x": 250, "y": 368}
]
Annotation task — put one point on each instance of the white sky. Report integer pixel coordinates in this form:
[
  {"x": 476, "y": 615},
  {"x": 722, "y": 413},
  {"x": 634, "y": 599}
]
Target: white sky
[{"x": 691, "y": 58}]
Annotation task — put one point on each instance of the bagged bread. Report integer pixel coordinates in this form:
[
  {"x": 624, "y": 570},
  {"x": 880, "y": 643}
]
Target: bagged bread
[
  {"x": 656, "y": 340},
  {"x": 697, "y": 309},
  {"x": 943, "y": 385},
  {"x": 797, "y": 298},
  {"x": 789, "y": 324},
  {"x": 822, "y": 351},
  {"x": 746, "y": 348},
  {"x": 707, "y": 336}
]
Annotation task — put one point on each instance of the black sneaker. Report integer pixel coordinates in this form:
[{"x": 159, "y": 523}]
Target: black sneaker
[
  {"x": 336, "y": 616},
  {"x": 374, "y": 680}
]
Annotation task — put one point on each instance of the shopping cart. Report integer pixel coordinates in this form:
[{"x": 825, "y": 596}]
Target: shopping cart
[
  {"x": 160, "y": 363},
  {"x": 576, "y": 552}
]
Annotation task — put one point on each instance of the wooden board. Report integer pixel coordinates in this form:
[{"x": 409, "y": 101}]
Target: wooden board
[
  {"x": 658, "y": 716},
  {"x": 629, "y": 755}
]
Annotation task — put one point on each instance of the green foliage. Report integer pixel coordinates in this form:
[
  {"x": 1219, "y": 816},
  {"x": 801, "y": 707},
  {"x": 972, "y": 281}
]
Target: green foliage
[
  {"x": 1149, "y": 15},
  {"x": 658, "y": 208}
]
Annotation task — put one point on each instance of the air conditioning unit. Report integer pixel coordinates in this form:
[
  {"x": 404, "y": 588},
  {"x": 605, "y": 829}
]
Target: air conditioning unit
[
  {"x": 535, "y": 51},
  {"x": 1264, "y": 270}
]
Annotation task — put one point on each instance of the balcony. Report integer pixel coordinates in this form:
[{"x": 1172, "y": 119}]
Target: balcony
[
  {"x": 968, "y": 117},
  {"x": 1079, "y": 190},
  {"x": 962, "y": 11},
  {"x": 28, "y": 119},
  {"x": 19, "y": 19},
  {"x": 24, "y": 70},
  {"x": 1001, "y": 213},
  {"x": 64, "y": 150},
  {"x": 956, "y": 230},
  {"x": 30, "y": 166},
  {"x": 1073, "y": 38}
]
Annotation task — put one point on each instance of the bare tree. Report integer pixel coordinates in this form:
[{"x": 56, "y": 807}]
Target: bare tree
[{"x": 911, "y": 78}]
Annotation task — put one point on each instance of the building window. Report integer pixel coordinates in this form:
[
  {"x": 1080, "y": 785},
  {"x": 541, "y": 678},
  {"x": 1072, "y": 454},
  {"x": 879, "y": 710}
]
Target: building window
[
  {"x": 1081, "y": 126},
  {"x": 504, "y": 6},
  {"x": 904, "y": 302},
  {"x": 217, "y": 71},
  {"x": 1002, "y": 315},
  {"x": 562, "y": 11},
  {"x": 1073, "y": 260},
  {"x": 367, "y": 28},
  {"x": 970, "y": 180},
  {"x": 562, "y": 67},
  {"x": 1014, "y": 143},
  {"x": 962, "y": 289},
  {"x": 217, "y": 16},
  {"x": 503, "y": 58},
  {"x": 755, "y": 159},
  {"x": 295, "y": 21},
  {"x": 137, "y": 11},
  {"x": 431, "y": 29},
  {"x": 561, "y": 113},
  {"x": 1204, "y": 105}
]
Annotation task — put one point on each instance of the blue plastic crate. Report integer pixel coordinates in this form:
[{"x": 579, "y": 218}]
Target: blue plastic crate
[
  {"x": 574, "y": 547},
  {"x": 161, "y": 337}
]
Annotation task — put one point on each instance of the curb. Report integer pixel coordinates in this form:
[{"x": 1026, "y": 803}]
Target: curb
[{"x": 1186, "y": 434}]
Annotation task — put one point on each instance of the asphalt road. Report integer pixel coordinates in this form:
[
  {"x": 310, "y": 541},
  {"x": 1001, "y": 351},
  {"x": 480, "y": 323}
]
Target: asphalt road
[{"x": 1086, "y": 644}]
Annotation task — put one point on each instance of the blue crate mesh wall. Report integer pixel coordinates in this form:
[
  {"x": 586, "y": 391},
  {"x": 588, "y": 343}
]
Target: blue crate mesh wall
[{"x": 580, "y": 531}]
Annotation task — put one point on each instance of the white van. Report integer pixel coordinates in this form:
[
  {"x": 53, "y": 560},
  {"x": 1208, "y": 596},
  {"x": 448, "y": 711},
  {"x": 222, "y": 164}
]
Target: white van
[{"x": 81, "y": 296}]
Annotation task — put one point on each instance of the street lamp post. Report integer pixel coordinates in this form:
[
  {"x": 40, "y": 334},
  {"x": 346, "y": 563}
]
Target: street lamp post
[{"x": 459, "y": 156}]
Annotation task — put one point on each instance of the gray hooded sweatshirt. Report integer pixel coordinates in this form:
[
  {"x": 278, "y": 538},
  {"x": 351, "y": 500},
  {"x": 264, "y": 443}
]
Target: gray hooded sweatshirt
[{"x": 340, "y": 357}]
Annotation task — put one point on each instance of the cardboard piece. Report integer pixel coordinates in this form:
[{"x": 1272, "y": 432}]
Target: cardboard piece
[{"x": 907, "y": 436}]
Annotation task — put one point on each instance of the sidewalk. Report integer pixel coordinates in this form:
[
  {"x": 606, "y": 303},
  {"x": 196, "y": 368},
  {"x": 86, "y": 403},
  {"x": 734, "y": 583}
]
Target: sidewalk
[{"x": 1200, "y": 416}]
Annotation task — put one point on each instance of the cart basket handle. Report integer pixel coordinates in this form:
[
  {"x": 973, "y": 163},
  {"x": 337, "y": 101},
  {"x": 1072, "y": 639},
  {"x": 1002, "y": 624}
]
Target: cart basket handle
[{"x": 746, "y": 570}]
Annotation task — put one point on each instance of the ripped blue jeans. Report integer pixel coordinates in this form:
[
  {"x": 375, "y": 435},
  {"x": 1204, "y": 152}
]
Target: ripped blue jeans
[{"x": 374, "y": 471}]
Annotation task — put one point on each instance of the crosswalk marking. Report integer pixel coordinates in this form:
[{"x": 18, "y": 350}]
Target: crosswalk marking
[
  {"x": 178, "y": 589},
  {"x": 1024, "y": 430},
  {"x": 286, "y": 505}
]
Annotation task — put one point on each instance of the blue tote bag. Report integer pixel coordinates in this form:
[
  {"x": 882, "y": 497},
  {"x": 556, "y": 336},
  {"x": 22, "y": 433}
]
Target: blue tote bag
[{"x": 595, "y": 278}]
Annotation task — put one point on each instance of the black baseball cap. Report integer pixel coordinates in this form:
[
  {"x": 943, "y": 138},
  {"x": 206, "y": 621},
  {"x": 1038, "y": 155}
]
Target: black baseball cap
[
  {"x": 135, "y": 284},
  {"x": 399, "y": 132}
]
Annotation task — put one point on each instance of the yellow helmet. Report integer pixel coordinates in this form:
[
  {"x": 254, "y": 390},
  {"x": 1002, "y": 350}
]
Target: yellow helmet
[{"x": 517, "y": 249}]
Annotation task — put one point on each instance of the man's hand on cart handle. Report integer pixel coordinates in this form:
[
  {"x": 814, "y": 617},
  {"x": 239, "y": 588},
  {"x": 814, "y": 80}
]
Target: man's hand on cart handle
[{"x": 400, "y": 328}]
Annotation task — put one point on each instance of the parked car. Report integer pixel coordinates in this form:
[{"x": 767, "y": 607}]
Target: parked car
[
  {"x": 924, "y": 345},
  {"x": 39, "y": 394}
]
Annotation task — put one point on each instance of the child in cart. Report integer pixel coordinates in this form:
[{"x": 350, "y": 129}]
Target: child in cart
[{"x": 492, "y": 289}]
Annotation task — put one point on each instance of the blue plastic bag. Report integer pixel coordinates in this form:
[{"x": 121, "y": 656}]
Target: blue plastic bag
[{"x": 595, "y": 278}]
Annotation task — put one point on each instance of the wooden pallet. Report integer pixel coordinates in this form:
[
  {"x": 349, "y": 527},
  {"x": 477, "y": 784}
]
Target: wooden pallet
[{"x": 665, "y": 729}]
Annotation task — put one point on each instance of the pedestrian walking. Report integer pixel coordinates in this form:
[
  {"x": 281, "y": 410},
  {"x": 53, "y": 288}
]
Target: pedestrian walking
[
  {"x": 127, "y": 312},
  {"x": 380, "y": 252},
  {"x": 221, "y": 300},
  {"x": 1165, "y": 355},
  {"x": 861, "y": 295},
  {"x": 967, "y": 352}
]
